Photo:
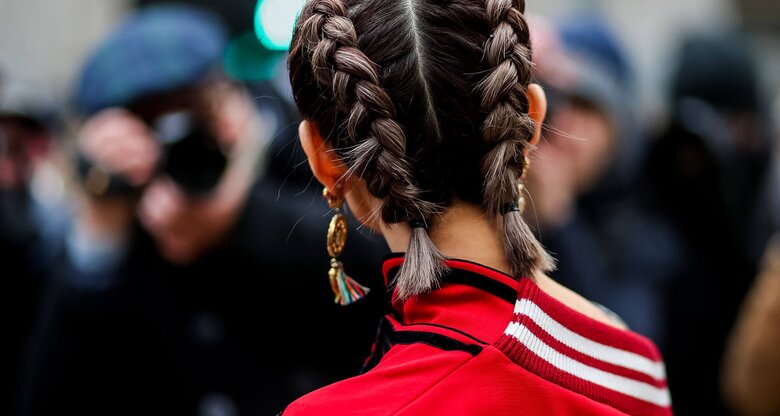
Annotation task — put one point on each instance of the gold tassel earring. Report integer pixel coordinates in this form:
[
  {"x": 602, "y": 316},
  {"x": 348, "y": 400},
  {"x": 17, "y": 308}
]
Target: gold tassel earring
[{"x": 347, "y": 290}]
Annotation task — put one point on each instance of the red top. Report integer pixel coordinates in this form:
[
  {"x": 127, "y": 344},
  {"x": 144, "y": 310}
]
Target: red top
[{"x": 488, "y": 344}]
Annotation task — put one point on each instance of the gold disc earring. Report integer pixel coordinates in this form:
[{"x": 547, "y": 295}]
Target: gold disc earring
[{"x": 346, "y": 289}]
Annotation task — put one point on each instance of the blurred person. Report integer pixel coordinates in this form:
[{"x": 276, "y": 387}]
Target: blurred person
[
  {"x": 710, "y": 172},
  {"x": 751, "y": 364},
  {"x": 25, "y": 140},
  {"x": 751, "y": 373},
  {"x": 32, "y": 212},
  {"x": 179, "y": 291},
  {"x": 587, "y": 202},
  {"x": 30, "y": 182},
  {"x": 420, "y": 119}
]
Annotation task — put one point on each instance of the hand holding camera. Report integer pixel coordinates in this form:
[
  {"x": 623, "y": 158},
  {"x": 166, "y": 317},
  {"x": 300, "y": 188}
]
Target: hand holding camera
[
  {"x": 121, "y": 154},
  {"x": 117, "y": 155},
  {"x": 114, "y": 142}
]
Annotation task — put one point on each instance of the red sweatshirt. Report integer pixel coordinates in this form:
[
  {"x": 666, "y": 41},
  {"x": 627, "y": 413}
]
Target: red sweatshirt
[{"x": 488, "y": 344}]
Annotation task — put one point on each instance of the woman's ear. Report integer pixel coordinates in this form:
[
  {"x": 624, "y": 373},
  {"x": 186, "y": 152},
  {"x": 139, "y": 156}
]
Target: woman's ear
[
  {"x": 537, "y": 109},
  {"x": 325, "y": 164}
]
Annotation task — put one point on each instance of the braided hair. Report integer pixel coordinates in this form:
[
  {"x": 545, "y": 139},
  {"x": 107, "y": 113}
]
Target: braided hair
[
  {"x": 392, "y": 86},
  {"x": 509, "y": 127}
]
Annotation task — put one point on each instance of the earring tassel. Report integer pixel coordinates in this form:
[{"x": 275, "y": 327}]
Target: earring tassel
[{"x": 346, "y": 289}]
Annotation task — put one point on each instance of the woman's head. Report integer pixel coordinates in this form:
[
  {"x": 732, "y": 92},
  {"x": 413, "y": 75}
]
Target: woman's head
[{"x": 426, "y": 102}]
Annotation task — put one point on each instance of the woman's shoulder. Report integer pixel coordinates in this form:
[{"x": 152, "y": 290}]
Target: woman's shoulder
[
  {"x": 576, "y": 302},
  {"x": 403, "y": 376},
  {"x": 450, "y": 383},
  {"x": 577, "y": 345}
]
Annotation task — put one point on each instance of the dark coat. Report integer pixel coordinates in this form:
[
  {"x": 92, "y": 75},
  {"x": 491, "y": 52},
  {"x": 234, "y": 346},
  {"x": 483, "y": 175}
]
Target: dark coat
[{"x": 233, "y": 332}]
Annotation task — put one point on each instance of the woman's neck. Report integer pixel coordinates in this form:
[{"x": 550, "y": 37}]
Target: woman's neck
[{"x": 462, "y": 232}]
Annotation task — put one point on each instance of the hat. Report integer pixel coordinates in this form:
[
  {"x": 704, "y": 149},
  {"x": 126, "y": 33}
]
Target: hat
[
  {"x": 590, "y": 64},
  {"x": 603, "y": 73},
  {"x": 156, "y": 50},
  {"x": 591, "y": 37},
  {"x": 28, "y": 105},
  {"x": 719, "y": 70}
]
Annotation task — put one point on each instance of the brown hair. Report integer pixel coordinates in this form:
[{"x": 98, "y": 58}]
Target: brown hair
[{"x": 426, "y": 101}]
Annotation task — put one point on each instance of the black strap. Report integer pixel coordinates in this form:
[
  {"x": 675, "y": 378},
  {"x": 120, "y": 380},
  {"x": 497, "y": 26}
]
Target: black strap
[
  {"x": 439, "y": 341},
  {"x": 464, "y": 277},
  {"x": 483, "y": 283},
  {"x": 510, "y": 207},
  {"x": 387, "y": 337},
  {"x": 418, "y": 224}
]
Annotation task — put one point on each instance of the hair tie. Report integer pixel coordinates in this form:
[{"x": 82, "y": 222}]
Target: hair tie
[
  {"x": 510, "y": 207},
  {"x": 418, "y": 224}
]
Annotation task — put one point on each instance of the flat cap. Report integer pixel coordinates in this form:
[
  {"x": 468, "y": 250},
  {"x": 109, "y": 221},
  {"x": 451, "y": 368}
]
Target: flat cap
[{"x": 155, "y": 50}]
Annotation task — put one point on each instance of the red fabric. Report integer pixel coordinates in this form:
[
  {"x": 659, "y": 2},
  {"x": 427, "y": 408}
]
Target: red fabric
[
  {"x": 480, "y": 370},
  {"x": 583, "y": 358},
  {"x": 591, "y": 328},
  {"x": 421, "y": 380}
]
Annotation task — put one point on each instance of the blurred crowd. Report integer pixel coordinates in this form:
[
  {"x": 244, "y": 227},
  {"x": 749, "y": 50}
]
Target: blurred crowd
[{"x": 165, "y": 245}]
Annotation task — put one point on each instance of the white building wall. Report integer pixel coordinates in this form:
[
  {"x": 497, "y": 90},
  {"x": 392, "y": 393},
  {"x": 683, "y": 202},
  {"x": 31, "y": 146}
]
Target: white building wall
[{"x": 43, "y": 42}]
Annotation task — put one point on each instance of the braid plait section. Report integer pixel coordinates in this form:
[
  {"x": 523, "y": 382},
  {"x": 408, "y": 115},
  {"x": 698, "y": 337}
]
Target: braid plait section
[
  {"x": 509, "y": 129},
  {"x": 377, "y": 151}
]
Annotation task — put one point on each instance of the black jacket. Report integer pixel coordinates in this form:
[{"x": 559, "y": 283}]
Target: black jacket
[{"x": 244, "y": 330}]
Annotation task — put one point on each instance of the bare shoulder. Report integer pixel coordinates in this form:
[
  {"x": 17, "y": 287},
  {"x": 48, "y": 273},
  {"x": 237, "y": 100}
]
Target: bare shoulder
[{"x": 575, "y": 301}]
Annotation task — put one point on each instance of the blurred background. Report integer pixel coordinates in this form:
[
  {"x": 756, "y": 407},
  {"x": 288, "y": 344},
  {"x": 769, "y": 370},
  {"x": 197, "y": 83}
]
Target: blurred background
[
  {"x": 649, "y": 32},
  {"x": 157, "y": 216}
]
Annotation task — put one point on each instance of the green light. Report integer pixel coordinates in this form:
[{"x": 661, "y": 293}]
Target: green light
[
  {"x": 275, "y": 21},
  {"x": 247, "y": 60}
]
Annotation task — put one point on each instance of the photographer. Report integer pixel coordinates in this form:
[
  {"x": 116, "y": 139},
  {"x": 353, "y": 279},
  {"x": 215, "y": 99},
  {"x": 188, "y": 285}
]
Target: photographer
[{"x": 184, "y": 254}]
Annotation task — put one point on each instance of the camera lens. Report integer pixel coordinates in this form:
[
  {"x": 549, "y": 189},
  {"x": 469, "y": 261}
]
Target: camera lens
[{"x": 193, "y": 158}]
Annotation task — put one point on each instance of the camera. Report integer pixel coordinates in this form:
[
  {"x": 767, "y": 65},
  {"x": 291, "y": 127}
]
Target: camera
[{"x": 191, "y": 157}]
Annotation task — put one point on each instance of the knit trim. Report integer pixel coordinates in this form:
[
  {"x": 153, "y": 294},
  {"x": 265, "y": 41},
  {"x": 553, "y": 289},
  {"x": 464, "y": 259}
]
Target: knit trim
[
  {"x": 612, "y": 366},
  {"x": 548, "y": 338}
]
